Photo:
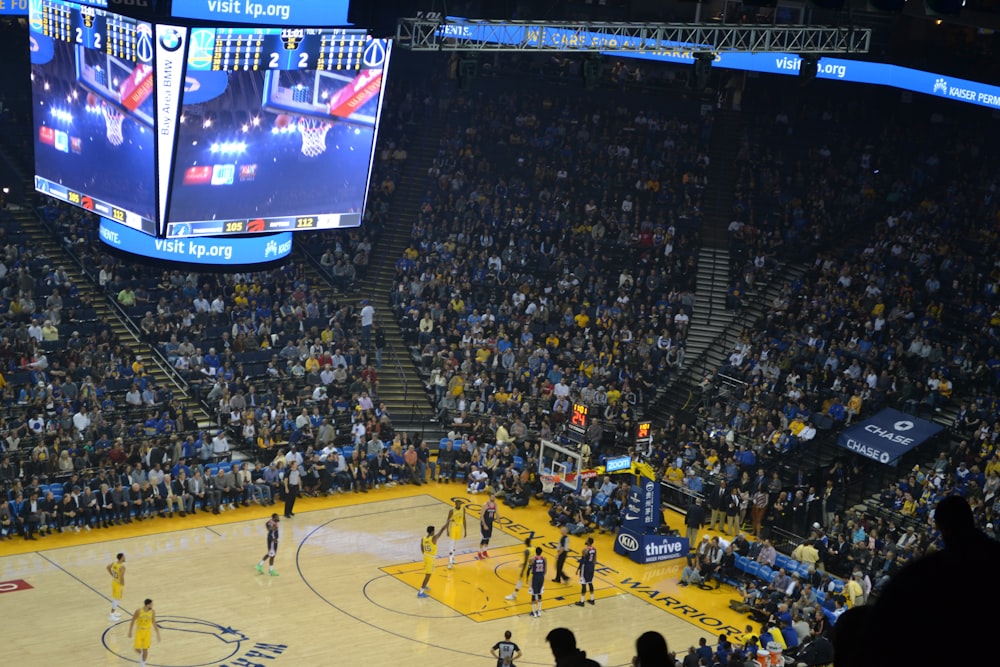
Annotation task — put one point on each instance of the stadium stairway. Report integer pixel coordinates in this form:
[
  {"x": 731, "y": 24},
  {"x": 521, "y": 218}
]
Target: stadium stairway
[
  {"x": 711, "y": 339},
  {"x": 723, "y": 170},
  {"x": 46, "y": 241},
  {"x": 401, "y": 386}
]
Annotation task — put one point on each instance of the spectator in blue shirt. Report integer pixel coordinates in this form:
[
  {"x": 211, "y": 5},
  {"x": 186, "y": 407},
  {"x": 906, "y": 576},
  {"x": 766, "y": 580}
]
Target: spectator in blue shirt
[{"x": 692, "y": 481}]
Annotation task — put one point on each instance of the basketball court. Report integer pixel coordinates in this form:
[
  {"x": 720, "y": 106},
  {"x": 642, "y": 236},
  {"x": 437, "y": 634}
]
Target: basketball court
[{"x": 349, "y": 568}]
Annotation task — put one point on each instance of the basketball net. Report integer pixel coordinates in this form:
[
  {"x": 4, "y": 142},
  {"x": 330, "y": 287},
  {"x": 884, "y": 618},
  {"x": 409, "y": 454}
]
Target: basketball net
[
  {"x": 113, "y": 118},
  {"x": 313, "y": 133},
  {"x": 549, "y": 482}
]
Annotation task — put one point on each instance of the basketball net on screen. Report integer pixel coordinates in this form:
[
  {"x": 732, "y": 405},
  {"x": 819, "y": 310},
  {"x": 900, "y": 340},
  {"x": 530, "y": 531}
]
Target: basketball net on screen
[
  {"x": 313, "y": 133},
  {"x": 113, "y": 119}
]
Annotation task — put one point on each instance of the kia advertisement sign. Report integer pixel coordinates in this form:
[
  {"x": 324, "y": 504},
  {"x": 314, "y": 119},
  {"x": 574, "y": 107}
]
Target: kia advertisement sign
[{"x": 650, "y": 548}]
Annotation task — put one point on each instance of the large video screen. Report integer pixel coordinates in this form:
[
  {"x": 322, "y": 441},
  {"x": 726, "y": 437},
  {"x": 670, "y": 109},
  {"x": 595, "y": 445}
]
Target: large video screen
[
  {"x": 277, "y": 130},
  {"x": 92, "y": 88}
]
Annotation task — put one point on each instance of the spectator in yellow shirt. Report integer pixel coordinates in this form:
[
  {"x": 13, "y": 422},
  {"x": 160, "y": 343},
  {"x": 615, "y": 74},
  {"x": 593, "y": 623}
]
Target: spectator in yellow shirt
[
  {"x": 614, "y": 395},
  {"x": 854, "y": 404},
  {"x": 312, "y": 364},
  {"x": 673, "y": 474}
]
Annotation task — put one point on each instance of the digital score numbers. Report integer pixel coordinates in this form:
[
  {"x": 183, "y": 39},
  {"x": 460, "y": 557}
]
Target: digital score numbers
[
  {"x": 579, "y": 418},
  {"x": 98, "y": 30},
  {"x": 252, "y": 49},
  {"x": 643, "y": 433}
]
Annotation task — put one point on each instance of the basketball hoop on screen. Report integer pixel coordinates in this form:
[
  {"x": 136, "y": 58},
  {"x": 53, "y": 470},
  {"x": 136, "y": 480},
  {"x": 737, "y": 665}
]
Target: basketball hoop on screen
[
  {"x": 313, "y": 133},
  {"x": 112, "y": 118}
]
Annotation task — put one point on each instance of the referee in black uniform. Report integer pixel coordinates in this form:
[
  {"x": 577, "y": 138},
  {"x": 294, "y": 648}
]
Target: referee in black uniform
[
  {"x": 563, "y": 553},
  {"x": 506, "y": 651},
  {"x": 293, "y": 480}
]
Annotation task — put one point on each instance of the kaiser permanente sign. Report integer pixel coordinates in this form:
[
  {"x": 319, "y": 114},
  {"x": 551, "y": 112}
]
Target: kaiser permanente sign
[
  {"x": 837, "y": 69},
  {"x": 885, "y": 437}
]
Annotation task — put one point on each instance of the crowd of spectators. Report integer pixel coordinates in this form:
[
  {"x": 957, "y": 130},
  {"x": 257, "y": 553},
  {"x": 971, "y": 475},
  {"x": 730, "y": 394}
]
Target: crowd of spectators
[
  {"x": 901, "y": 314},
  {"x": 259, "y": 348},
  {"x": 553, "y": 259}
]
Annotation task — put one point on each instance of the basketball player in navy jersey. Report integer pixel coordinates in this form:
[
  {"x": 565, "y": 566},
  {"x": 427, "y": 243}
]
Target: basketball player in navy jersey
[
  {"x": 588, "y": 559},
  {"x": 563, "y": 551},
  {"x": 523, "y": 574},
  {"x": 538, "y": 568},
  {"x": 487, "y": 516},
  {"x": 272, "y": 546}
]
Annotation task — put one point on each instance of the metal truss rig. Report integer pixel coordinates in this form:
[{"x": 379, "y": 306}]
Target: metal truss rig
[{"x": 422, "y": 34}]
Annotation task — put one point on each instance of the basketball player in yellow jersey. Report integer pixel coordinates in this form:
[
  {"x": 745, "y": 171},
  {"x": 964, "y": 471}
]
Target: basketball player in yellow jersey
[
  {"x": 117, "y": 572},
  {"x": 429, "y": 549},
  {"x": 457, "y": 529},
  {"x": 523, "y": 574},
  {"x": 144, "y": 622}
]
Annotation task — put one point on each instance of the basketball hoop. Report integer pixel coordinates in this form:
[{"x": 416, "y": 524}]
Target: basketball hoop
[
  {"x": 313, "y": 133},
  {"x": 113, "y": 117},
  {"x": 549, "y": 482}
]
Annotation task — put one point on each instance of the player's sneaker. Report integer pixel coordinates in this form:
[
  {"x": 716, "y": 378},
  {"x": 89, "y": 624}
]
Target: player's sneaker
[
  {"x": 512, "y": 596},
  {"x": 114, "y": 617},
  {"x": 578, "y": 603},
  {"x": 421, "y": 594},
  {"x": 591, "y": 602},
  {"x": 273, "y": 573},
  {"x": 260, "y": 569},
  {"x": 486, "y": 554}
]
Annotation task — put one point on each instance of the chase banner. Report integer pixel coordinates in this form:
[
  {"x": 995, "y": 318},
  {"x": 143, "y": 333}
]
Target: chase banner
[{"x": 887, "y": 436}]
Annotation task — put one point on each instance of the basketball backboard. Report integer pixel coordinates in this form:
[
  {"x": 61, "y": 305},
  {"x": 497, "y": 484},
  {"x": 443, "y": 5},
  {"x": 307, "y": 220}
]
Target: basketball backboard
[
  {"x": 324, "y": 95},
  {"x": 128, "y": 86}
]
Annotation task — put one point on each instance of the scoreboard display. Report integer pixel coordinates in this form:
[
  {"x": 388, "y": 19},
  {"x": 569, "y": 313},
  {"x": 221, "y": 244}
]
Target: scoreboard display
[
  {"x": 276, "y": 131},
  {"x": 92, "y": 97},
  {"x": 579, "y": 419},
  {"x": 204, "y": 129},
  {"x": 643, "y": 433}
]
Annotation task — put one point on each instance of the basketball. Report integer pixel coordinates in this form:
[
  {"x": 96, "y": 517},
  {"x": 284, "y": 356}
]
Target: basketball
[
  {"x": 282, "y": 121},
  {"x": 91, "y": 100}
]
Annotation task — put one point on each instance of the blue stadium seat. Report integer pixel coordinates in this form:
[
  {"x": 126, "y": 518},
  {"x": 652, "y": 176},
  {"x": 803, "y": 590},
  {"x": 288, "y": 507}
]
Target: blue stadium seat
[
  {"x": 753, "y": 569},
  {"x": 742, "y": 563},
  {"x": 766, "y": 573},
  {"x": 518, "y": 463},
  {"x": 781, "y": 560}
]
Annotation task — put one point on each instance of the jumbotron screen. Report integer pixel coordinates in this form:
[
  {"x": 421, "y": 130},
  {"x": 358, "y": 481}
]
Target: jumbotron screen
[
  {"x": 276, "y": 130},
  {"x": 92, "y": 84}
]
